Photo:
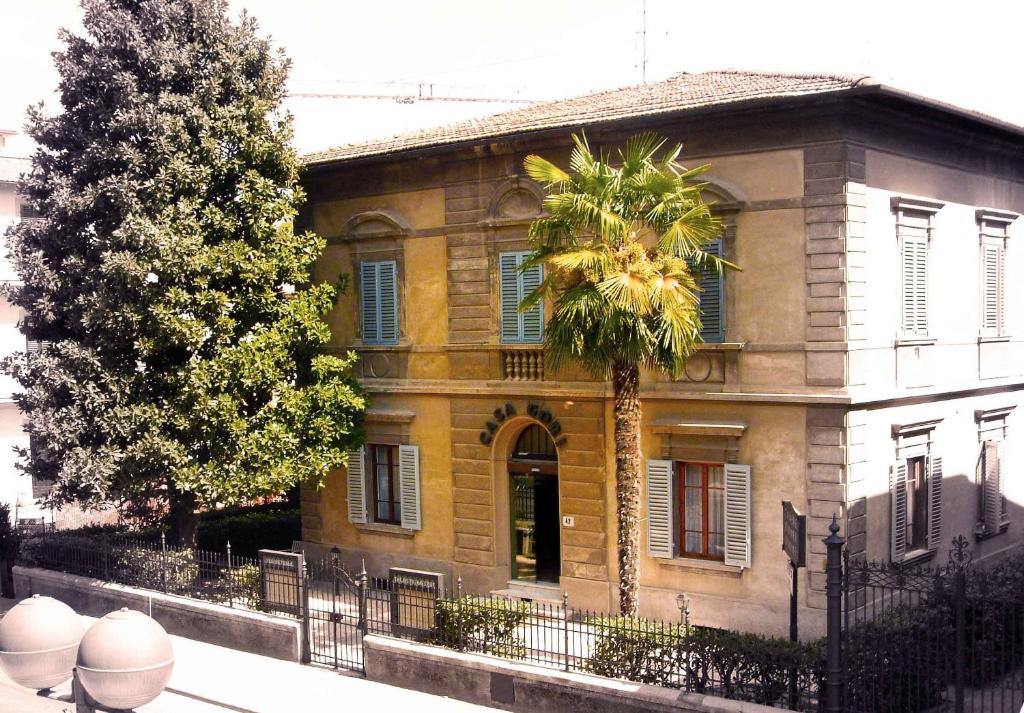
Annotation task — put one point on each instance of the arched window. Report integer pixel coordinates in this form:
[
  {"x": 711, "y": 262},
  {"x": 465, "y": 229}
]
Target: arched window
[{"x": 535, "y": 443}]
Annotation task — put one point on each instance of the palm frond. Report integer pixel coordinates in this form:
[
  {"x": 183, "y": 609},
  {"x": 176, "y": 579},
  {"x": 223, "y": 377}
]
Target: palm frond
[
  {"x": 627, "y": 291},
  {"x": 545, "y": 173}
]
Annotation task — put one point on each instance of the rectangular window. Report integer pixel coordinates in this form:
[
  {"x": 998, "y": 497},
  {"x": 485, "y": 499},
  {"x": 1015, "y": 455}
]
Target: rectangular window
[
  {"x": 712, "y": 298},
  {"x": 914, "y": 232},
  {"x": 917, "y": 504},
  {"x": 915, "y": 493},
  {"x": 993, "y": 516},
  {"x": 387, "y": 505},
  {"x": 992, "y": 290},
  {"x": 702, "y": 506},
  {"x": 378, "y": 296},
  {"x": 519, "y": 327}
]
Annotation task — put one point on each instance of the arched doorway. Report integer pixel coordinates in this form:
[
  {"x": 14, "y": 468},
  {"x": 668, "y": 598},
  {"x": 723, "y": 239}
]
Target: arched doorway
[{"x": 533, "y": 507}]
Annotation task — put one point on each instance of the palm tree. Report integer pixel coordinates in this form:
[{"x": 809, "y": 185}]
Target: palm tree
[{"x": 622, "y": 246}]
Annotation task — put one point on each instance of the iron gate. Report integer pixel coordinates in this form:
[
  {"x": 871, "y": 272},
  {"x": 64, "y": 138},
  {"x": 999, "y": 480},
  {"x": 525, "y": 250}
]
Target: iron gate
[{"x": 332, "y": 621}]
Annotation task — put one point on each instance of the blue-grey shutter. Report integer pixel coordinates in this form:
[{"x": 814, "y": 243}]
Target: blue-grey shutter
[
  {"x": 712, "y": 298},
  {"x": 659, "y": 508},
  {"x": 388, "y": 286},
  {"x": 532, "y": 319},
  {"x": 509, "y": 279},
  {"x": 369, "y": 305}
]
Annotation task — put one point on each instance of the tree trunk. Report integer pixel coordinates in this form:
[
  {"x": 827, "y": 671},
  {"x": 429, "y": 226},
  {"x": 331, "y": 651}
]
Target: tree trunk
[
  {"x": 626, "y": 380},
  {"x": 183, "y": 519}
]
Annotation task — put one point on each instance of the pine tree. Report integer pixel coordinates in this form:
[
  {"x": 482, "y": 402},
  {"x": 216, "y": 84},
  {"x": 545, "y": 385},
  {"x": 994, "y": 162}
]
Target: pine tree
[{"x": 180, "y": 366}]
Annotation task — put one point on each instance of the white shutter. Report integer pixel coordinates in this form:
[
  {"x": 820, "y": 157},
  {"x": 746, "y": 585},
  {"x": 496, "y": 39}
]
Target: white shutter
[
  {"x": 898, "y": 521},
  {"x": 737, "y": 515},
  {"x": 915, "y": 285},
  {"x": 659, "y": 508},
  {"x": 409, "y": 486},
  {"x": 369, "y": 302},
  {"x": 388, "y": 286},
  {"x": 993, "y": 489},
  {"x": 934, "y": 503},
  {"x": 509, "y": 287},
  {"x": 990, "y": 293},
  {"x": 356, "y": 486}
]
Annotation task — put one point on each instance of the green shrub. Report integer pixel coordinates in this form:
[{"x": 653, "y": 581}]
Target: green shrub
[
  {"x": 635, "y": 649},
  {"x": 175, "y": 570},
  {"x": 482, "y": 625},
  {"x": 250, "y": 532},
  {"x": 745, "y": 667},
  {"x": 898, "y": 661},
  {"x": 750, "y": 667}
]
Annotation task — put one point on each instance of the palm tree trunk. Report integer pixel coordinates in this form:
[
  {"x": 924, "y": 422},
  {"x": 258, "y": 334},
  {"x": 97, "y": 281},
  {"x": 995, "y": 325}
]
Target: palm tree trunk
[{"x": 626, "y": 381}]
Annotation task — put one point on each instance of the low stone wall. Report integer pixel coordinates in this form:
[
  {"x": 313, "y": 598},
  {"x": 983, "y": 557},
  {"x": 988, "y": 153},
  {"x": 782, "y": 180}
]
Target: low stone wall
[
  {"x": 238, "y": 629},
  {"x": 520, "y": 687}
]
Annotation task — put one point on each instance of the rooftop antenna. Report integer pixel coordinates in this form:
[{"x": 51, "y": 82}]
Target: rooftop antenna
[{"x": 643, "y": 45}]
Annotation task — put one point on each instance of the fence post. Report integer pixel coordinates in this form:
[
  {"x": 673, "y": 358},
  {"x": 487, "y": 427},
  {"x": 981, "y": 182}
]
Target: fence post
[
  {"x": 231, "y": 579},
  {"x": 834, "y": 619},
  {"x": 163, "y": 561},
  {"x": 361, "y": 581},
  {"x": 565, "y": 627},
  {"x": 336, "y": 589},
  {"x": 959, "y": 560},
  {"x": 105, "y": 544},
  {"x": 458, "y": 612}
]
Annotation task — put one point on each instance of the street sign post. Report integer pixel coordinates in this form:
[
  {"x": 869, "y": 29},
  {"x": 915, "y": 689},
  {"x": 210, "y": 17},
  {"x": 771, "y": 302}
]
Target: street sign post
[{"x": 794, "y": 544}]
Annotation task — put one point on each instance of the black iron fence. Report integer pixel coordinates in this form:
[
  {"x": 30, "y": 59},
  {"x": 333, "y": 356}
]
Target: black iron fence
[
  {"x": 150, "y": 563},
  {"x": 747, "y": 667},
  {"x": 947, "y": 638}
]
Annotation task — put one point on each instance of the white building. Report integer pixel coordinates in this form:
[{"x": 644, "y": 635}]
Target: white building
[{"x": 15, "y": 488}]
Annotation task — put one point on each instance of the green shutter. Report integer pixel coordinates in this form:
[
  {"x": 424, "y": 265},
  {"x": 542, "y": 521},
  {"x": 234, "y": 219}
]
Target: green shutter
[
  {"x": 712, "y": 298},
  {"x": 378, "y": 296},
  {"x": 368, "y": 303},
  {"x": 519, "y": 327},
  {"x": 532, "y": 320},
  {"x": 388, "y": 286}
]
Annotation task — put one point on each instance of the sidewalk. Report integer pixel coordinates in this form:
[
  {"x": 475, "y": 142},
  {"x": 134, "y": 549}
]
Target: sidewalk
[{"x": 213, "y": 679}]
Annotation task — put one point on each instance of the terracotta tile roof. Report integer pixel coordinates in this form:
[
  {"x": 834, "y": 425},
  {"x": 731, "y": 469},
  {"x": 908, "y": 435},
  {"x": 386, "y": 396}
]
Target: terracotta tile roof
[{"x": 679, "y": 93}]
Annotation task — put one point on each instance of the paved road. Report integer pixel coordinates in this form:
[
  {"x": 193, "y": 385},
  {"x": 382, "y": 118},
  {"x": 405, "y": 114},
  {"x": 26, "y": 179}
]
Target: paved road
[{"x": 213, "y": 679}]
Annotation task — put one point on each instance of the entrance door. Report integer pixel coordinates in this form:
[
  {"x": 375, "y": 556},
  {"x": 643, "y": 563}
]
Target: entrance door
[{"x": 533, "y": 507}]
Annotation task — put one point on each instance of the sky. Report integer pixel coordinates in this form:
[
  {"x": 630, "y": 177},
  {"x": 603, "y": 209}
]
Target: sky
[{"x": 546, "y": 49}]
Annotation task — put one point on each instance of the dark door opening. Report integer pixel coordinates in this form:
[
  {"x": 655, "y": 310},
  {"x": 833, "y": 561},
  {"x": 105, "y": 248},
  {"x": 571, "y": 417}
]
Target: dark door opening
[{"x": 533, "y": 508}]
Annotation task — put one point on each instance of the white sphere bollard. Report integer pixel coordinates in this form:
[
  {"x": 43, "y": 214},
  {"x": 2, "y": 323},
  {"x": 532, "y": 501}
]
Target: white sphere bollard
[
  {"x": 125, "y": 660},
  {"x": 39, "y": 639}
]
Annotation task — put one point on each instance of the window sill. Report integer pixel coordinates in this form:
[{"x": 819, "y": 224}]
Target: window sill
[
  {"x": 698, "y": 566},
  {"x": 915, "y": 341},
  {"x": 397, "y": 347},
  {"x": 721, "y": 346},
  {"x": 993, "y": 339},
  {"x": 378, "y": 528},
  {"x": 917, "y": 556},
  {"x": 982, "y": 533}
]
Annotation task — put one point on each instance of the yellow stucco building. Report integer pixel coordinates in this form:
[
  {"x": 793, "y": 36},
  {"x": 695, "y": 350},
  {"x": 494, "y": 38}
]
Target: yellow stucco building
[{"x": 829, "y": 378}]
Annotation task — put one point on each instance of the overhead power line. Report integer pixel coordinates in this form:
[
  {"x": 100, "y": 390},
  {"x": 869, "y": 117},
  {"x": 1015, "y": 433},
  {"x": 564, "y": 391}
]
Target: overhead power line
[{"x": 420, "y": 91}]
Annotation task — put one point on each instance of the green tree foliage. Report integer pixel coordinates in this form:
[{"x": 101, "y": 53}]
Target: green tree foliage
[
  {"x": 620, "y": 246},
  {"x": 179, "y": 364}
]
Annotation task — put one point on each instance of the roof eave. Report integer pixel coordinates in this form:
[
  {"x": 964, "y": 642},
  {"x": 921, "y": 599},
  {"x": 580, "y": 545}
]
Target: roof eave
[
  {"x": 556, "y": 130},
  {"x": 864, "y": 89}
]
